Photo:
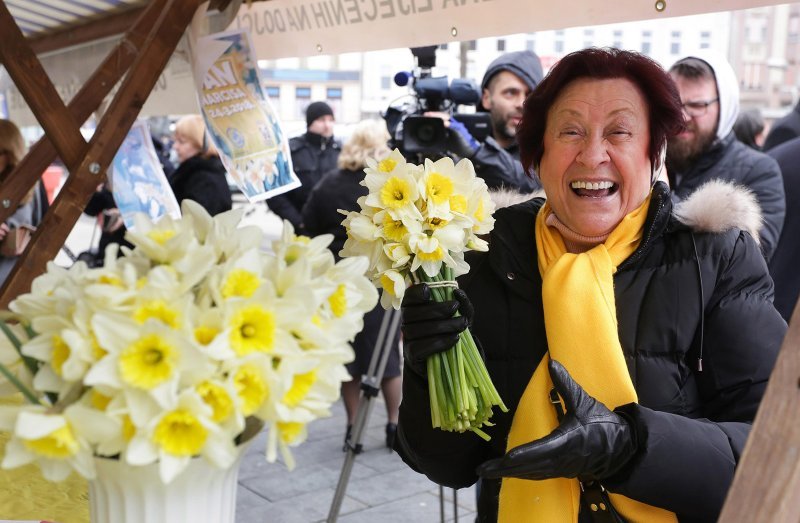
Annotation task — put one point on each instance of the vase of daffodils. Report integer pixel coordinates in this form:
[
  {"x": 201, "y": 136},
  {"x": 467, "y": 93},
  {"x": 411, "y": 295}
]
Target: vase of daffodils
[
  {"x": 148, "y": 373},
  {"x": 414, "y": 225}
]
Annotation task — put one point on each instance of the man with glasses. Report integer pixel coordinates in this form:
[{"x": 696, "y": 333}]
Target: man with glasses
[{"x": 707, "y": 148}]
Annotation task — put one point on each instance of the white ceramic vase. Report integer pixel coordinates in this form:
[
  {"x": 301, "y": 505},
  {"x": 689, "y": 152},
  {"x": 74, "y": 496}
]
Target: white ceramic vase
[{"x": 202, "y": 493}]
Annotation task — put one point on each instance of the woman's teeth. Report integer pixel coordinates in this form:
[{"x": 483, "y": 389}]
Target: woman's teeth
[{"x": 594, "y": 186}]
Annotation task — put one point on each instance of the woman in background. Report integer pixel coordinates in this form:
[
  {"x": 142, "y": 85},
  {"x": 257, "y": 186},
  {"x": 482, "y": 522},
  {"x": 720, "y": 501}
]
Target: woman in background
[
  {"x": 30, "y": 210},
  {"x": 200, "y": 175},
  {"x": 340, "y": 189}
]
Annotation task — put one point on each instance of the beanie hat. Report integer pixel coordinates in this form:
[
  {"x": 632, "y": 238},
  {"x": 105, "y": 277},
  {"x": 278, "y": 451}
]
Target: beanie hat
[
  {"x": 525, "y": 64},
  {"x": 317, "y": 110}
]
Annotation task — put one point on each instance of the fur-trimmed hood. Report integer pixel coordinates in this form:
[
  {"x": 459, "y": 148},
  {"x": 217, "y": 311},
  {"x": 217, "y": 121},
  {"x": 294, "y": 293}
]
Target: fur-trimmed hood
[{"x": 716, "y": 206}]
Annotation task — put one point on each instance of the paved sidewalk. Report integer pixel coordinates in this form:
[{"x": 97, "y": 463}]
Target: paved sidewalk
[{"x": 381, "y": 487}]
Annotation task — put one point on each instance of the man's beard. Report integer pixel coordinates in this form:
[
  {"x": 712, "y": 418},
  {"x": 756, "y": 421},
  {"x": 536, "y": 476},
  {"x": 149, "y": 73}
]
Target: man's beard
[
  {"x": 502, "y": 129},
  {"x": 682, "y": 154}
]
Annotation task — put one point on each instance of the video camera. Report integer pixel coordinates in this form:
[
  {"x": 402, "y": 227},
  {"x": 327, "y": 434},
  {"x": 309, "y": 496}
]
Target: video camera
[{"x": 414, "y": 133}]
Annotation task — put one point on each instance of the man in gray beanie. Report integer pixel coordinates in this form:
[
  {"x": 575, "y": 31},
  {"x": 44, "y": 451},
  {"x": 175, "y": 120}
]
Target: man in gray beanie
[
  {"x": 313, "y": 155},
  {"x": 508, "y": 81}
]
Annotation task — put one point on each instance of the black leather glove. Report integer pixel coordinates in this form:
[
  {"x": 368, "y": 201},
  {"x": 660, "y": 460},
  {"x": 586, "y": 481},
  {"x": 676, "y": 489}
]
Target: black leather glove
[
  {"x": 429, "y": 327},
  {"x": 590, "y": 443}
]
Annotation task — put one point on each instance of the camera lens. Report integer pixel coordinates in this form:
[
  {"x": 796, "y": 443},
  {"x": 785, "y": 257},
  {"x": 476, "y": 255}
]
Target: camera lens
[{"x": 426, "y": 133}]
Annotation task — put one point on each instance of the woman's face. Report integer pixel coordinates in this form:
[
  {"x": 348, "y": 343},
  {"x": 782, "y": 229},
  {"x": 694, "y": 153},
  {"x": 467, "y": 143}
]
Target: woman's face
[
  {"x": 595, "y": 168},
  {"x": 184, "y": 148}
]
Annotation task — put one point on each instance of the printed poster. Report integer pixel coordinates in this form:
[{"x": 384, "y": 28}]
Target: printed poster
[
  {"x": 138, "y": 182},
  {"x": 239, "y": 117}
]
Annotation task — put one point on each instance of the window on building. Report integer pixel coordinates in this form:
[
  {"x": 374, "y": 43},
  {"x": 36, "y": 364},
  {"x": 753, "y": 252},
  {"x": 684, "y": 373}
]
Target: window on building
[
  {"x": 472, "y": 45},
  {"x": 794, "y": 28},
  {"x": 302, "y": 97},
  {"x": 675, "y": 43},
  {"x": 646, "y": 48},
  {"x": 386, "y": 82},
  {"x": 705, "y": 39},
  {"x": 501, "y": 44},
  {"x": 588, "y": 38},
  {"x": 444, "y": 47},
  {"x": 618, "y": 39},
  {"x": 559, "y": 46},
  {"x": 334, "y": 93},
  {"x": 273, "y": 91},
  {"x": 530, "y": 45}
]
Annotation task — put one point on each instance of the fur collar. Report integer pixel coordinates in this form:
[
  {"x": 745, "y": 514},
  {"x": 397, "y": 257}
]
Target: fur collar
[
  {"x": 716, "y": 206},
  {"x": 719, "y": 206}
]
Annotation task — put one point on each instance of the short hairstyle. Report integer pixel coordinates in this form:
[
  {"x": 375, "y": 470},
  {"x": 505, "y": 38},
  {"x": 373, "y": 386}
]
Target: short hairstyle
[
  {"x": 693, "y": 68},
  {"x": 12, "y": 142},
  {"x": 659, "y": 91},
  {"x": 192, "y": 128},
  {"x": 369, "y": 140}
]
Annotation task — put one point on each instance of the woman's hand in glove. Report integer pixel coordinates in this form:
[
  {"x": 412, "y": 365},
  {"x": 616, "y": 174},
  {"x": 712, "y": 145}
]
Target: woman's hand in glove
[
  {"x": 429, "y": 327},
  {"x": 590, "y": 443}
]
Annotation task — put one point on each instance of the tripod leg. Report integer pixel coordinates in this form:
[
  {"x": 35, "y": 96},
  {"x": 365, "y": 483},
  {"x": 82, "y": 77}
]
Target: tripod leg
[{"x": 386, "y": 335}]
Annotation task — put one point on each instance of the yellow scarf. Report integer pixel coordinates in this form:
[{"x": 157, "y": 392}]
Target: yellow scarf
[{"x": 581, "y": 323}]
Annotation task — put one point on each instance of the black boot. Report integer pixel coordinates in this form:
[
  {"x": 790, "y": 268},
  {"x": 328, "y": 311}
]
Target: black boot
[
  {"x": 391, "y": 432},
  {"x": 347, "y": 438}
]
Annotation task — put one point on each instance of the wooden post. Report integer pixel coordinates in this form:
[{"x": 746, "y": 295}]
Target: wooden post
[
  {"x": 86, "y": 171},
  {"x": 766, "y": 487}
]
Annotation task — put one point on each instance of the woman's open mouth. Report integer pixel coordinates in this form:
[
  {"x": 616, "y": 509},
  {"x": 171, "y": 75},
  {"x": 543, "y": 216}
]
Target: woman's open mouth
[{"x": 594, "y": 189}]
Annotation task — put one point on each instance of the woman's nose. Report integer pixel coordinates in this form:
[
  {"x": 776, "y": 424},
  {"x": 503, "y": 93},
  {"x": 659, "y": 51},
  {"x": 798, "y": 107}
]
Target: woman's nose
[{"x": 593, "y": 153}]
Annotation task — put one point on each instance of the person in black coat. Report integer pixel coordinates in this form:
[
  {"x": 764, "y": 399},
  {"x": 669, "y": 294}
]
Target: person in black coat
[
  {"x": 200, "y": 176},
  {"x": 784, "y": 129},
  {"x": 340, "y": 189},
  {"x": 313, "y": 154},
  {"x": 649, "y": 370},
  {"x": 783, "y": 265},
  {"x": 707, "y": 148}
]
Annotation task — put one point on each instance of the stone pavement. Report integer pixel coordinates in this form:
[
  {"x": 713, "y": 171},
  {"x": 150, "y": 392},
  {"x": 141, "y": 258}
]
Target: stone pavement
[{"x": 381, "y": 487}]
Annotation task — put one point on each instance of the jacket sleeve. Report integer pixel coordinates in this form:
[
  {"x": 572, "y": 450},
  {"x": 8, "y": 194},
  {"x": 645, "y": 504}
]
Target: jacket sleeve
[
  {"x": 285, "y": 209},
  {"x": 499, "y": 169},
  {"x": 766, "y": 181},
  {"x": 687, "y": 465}
]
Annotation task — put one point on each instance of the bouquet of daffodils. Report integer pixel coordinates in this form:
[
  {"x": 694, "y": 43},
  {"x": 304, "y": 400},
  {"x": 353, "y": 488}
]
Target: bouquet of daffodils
[
  {"x": 173, "y": 350},
  {"x": 415, "y": 225}
]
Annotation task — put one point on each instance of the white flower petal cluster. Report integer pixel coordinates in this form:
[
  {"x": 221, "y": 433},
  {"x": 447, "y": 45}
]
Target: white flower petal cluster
[
  {"x": 417, "y": 217},
  {"x": 167, "y": 352}
]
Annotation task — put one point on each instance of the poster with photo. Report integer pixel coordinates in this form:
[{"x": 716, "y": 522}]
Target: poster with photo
[
  {"x": 138, "y": 182},
  {"x": 239, "y": 117}
]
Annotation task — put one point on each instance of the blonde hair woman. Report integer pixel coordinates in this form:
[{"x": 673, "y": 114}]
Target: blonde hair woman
[
  {"x": 200, "y": 175},
  {"x": 340, "y": 189}
]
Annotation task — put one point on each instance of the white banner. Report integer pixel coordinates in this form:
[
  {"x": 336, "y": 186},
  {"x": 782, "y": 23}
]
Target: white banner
[{"x": 289, "y": 28}]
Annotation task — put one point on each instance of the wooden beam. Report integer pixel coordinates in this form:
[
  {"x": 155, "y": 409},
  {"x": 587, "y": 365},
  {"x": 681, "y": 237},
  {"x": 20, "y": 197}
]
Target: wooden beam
[
  {"x": 108, "y": 136},
  {"x": 105, "y": 27},
  {"x": 767, "y": 482},
  {"x": 85, "y": 101},
  {"x": 35, "y": 86}
]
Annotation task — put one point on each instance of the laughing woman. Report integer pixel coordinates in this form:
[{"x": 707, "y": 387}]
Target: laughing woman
[{"x": 632, "y": 341}]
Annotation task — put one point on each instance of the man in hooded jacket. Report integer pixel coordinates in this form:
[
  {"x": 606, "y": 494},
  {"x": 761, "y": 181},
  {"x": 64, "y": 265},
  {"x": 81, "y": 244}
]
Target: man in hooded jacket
[
  {"x": 508, "y": 81},
  {"x": 707, "y": 149}
]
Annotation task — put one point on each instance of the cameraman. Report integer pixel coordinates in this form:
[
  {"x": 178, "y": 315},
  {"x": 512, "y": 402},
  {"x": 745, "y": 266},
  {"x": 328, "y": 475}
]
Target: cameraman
[{"x": 508, "y": 81}]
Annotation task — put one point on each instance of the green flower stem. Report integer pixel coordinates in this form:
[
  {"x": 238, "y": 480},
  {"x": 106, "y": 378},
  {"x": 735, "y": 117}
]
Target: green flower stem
[
  {"x": 461, "y": 392},
  {"x": 29, "y": 395}
]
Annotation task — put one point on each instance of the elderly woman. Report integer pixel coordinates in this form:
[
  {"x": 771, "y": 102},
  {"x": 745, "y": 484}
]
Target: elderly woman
[
  {"x": 200, "y": 175},
  {"x": 631, "y": 341}
]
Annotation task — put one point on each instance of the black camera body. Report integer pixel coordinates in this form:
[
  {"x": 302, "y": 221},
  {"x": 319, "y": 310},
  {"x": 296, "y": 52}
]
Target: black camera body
[{"x": 415, "y": 134}]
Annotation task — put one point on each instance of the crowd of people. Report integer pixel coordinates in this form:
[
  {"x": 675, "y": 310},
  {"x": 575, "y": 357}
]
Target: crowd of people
[{"x": 645, "y": 192}]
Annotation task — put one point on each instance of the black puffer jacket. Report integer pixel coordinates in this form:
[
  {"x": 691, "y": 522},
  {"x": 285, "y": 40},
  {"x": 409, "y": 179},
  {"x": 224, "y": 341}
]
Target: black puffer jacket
[
  {"x": 202, "y": 180},
  {"x": 313, "y": 155},
  {"x": 732, "y": 161},
  {"x": 692, "y": 425},
  {"x": 501, "y": 169}
]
